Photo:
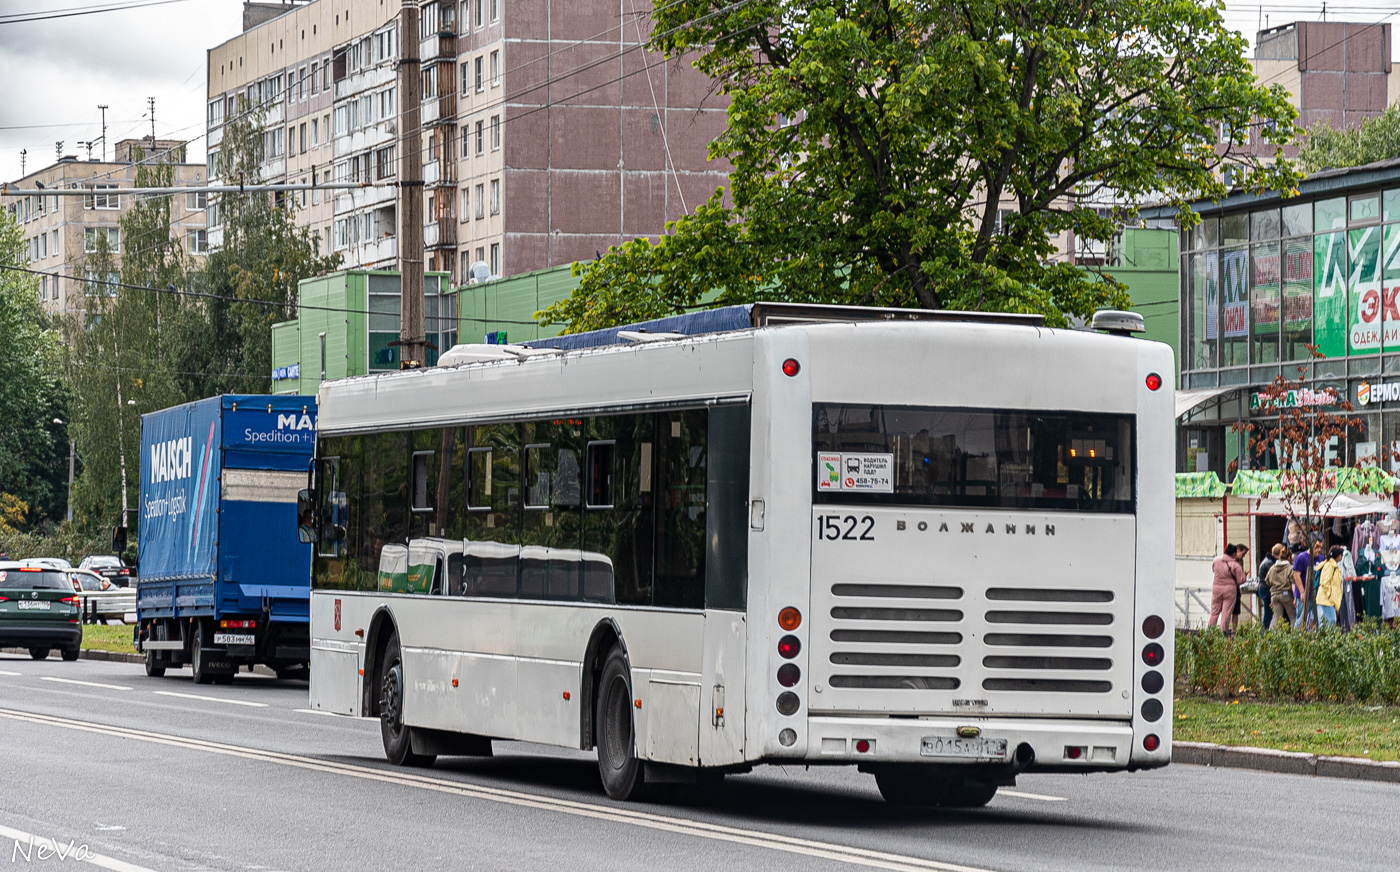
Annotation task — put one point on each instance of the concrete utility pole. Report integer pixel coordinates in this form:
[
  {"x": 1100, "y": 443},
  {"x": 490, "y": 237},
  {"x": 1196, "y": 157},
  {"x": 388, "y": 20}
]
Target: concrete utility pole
[
  {"x": 151, "y": 101},
  {"x": 103, "y": 107},
  {"x": 411, "y": 348}
]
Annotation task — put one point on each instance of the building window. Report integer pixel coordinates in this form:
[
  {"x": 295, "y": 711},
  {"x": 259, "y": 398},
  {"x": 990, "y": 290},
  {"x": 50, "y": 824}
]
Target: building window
[
  {"x": 495, "y": 132},
  {"x": 495, "y": 68},
  {"x": 495, "y": 9},
  {"x": 495, "y": 258},
  {"x": 384, "y": 162},
  {"x": 479, "y": 9},
  {"x": 99, "y": 200},
  {"x": 480, "y": 201},
  {"x": 301, "y": 84},
  {"x": 91, "y": 235},
  {"x": 196, "y": 201},
  {"x": 480, "y": 137},
  {"x": 479, "y": 66},
  {"x": 326, "y": 127},
  {"x": 315, "y": 77},
  {"x": 495, "y": 196},
  {"x": 43, "y": 245},
  {"x": 197, "y": 241},
  {"x": 53, "y": 247},
  {"x": 216, "y": 112},
  {"x": 315, "y": 133},
  {"x": 301, "y": 137}
]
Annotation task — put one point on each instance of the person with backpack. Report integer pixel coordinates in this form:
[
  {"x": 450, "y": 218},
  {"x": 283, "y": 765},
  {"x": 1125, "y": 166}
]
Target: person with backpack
[{"x": 1279, "y": 583}]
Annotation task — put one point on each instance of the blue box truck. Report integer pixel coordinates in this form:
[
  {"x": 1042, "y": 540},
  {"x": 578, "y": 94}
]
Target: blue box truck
[{"x": 224, "y": 579}]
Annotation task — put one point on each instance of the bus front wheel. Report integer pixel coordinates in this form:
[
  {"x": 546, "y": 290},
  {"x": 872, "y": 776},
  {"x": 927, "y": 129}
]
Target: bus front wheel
[
  {"x": 397, "y": 736},
  {"x": 622, "y": 773},
  {"x": 917, "y": 785}
]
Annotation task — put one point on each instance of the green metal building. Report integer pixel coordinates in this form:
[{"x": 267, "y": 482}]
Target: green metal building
[
  {"x": 1146, "y": 261},
  {"x": 346, "y": 325},
  {"x": 509, "y": 305}
]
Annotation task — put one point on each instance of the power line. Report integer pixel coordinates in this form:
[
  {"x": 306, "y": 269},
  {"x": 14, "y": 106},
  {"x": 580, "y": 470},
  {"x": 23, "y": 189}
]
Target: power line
[{"x": 73, "y": 11}]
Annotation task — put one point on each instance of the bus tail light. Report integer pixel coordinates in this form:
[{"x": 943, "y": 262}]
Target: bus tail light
[
  {"x": 1153, "y": 626},
  {"x": 789, "y": 619},
  {"x": 1074, "y": 752},
  {"x": 1150, "y": 742},
  {"x": 788, "y": 703},
  {"x": 788, "y": 646},
  {"x": 1154, "y": 381},
  {"x": 789, "y": 675},
  {"x": 1153, "y": 654},
  {"x": 791, "y": 367},
  {"x": 862, "y": 746}
]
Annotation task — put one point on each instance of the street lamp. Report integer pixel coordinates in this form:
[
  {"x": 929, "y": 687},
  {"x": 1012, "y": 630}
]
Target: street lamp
[{"x": 71, "y": 450}]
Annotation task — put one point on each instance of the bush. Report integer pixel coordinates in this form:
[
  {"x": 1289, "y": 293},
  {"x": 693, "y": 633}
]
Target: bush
[{"x": 1360, "y": 665}]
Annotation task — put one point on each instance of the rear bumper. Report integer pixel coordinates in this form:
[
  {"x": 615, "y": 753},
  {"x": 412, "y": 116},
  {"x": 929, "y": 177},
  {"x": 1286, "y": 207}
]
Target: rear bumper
[
  {"x": 1107, "y": 745},
  {"x": 29, "y": 635}
]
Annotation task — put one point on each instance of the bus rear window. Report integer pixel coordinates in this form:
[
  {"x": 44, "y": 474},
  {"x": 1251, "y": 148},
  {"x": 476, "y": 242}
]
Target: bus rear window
[{"x": 973, "y": 458}]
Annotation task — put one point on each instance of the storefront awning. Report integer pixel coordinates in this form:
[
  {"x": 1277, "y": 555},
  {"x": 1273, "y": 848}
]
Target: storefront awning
[
  {"x": 1199, "y": 484},
  {"x": 1340, "y": 506},
  {"x": 1188, "y": 400}
]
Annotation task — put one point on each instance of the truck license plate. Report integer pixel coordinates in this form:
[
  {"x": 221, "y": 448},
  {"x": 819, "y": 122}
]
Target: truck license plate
[
  {"x": 42, "y": 605},
  {"x": 954, "y": 746},
  {"x": 234, "y": 639}
]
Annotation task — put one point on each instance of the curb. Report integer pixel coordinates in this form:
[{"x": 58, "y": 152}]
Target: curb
[{"x": 1285, "y": 762}]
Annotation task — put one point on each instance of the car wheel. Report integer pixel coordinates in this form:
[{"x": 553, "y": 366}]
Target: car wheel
[
  {"x": 70, "y": 654},
  {"x": 397, "y": 736},
  {"x": 622, "y": 773},
  {"x": 39, "y": 653}
]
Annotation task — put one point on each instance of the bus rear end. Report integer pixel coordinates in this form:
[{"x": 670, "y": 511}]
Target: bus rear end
[{"x": 986, "y": 588}]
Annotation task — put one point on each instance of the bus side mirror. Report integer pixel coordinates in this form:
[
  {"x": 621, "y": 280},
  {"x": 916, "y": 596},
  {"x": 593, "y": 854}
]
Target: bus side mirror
[
  {"x": 119, "y": 539},
  {"x": 306, "y": 516}
]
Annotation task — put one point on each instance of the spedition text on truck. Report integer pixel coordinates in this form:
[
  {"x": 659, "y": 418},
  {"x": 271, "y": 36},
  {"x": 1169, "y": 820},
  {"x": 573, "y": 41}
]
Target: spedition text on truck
[
  {"x": 224, "y": 577},
  {"x": 929, "y": 545}
]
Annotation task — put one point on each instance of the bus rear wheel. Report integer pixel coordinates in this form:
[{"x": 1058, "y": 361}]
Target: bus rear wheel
[
  {"x": 622, "y": 773},
  {"x": 917, "y": 785},
  {"x": 397, "y": 736}
]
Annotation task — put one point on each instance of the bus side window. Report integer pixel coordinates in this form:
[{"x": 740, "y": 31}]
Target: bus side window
[
  {"x": 598, "y": 464},
  {"x": 682, "y": 478},
  {"x": 479, "y": 480},
  {"x": 539, "y": 475}
]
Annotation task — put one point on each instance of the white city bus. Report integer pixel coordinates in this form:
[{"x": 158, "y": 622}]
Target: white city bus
[{"x": 936, "y": 546}]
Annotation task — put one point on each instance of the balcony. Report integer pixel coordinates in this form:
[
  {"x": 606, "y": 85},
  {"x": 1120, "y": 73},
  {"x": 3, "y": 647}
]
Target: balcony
[
  {"x": 430, "y": 111},
  {"x": 439, "y": 46},
  {"x": 441, "y": 233},
  {"x": 431, "y": 173}
]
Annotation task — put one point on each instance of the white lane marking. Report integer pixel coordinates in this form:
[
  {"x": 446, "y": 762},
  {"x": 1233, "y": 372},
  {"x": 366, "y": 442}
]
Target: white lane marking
[
  {"x": 6, "y": 672},
  {"x": 682, "y": 826},
  {"x": 211, "y": 698},
  {"x": 28, "y": 844},
  {"x": 1040, "y": 796},
  {"x": 315, "y": 712},
  {"x": 84, "y": 683}
]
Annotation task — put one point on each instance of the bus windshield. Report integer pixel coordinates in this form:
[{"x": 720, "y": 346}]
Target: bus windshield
[{"x": 973, "y": 458}]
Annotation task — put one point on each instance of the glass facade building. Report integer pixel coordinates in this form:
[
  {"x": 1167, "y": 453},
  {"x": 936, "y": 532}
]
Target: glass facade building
[{"x": 1306, "y": 286}]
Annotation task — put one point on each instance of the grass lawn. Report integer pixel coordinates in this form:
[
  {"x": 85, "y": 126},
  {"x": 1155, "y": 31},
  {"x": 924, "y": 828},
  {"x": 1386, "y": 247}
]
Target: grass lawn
[
  {"x": 1338, "y": 729},
  {"x": 108, "y": 637}
]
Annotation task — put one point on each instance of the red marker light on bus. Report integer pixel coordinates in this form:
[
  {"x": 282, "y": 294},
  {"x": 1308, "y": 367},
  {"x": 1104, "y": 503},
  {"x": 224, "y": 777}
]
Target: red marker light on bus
[
  {"x": 1150, "y": 742},
  {"x": 788, "y": 646},
  {"x": 1154, "y": 381},
  {"x": 791, "y": 367}
]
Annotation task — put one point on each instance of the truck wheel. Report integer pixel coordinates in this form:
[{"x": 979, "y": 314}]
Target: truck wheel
[
  {"x": 39, "y": 653},
  {"x": 197, "y": 656},
  {"x": 622, "y": 773},
  {"x": 299, "y": 672},
  {"x": 70, "y": 654},
  {"x": 153, "y": 668},
  {"x": 397, "y": 736}
]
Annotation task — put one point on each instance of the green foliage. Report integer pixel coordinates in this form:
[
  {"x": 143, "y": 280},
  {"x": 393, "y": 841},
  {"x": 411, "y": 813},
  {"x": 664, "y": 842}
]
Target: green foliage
[
  {"x": 32, "y": 448},
  {"x": 872, "y": 142},
  {"x": 1358, "y": 666},
  {"x": 1376, "y": 139}
]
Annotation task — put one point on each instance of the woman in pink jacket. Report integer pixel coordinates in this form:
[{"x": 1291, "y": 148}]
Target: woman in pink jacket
[{"x": 1225, "y": 588}]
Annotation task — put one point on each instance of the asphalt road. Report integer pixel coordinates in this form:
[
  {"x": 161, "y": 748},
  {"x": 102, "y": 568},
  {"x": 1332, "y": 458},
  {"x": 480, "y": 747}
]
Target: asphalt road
[{"x": 162, "y": 774}]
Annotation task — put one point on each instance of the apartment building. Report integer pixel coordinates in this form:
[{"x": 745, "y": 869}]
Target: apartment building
[
  {"x": 63, "y": 231},
  {"x": 549, "y": 132}
]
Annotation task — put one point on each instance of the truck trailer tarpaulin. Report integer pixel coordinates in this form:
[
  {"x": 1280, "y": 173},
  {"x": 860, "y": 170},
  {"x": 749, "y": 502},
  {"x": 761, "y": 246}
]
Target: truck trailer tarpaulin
[{"x": 224, "y": 579}]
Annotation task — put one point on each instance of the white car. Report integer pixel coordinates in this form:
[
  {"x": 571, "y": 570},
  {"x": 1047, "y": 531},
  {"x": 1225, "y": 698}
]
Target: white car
[
  {"x": 47, "y": 562},
  {"x": 101, "y": 599}
]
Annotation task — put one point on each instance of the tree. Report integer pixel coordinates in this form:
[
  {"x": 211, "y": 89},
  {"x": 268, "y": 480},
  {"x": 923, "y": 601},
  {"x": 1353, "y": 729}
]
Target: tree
[
  {"x": 225, "y": 346},
  {"x": 1376, "y": 139},
  {"x": 894, "y": 152},
  {"x": 33, "y": 449}
]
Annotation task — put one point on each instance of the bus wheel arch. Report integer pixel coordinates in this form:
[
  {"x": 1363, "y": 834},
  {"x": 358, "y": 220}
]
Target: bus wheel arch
[
  {"x": 381, "y": 627},
  {"x": 606, "y": 636}
]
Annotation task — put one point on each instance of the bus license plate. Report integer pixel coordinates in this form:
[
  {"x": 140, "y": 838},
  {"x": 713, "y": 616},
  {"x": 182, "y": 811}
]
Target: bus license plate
[
  {"x": 42, "y": 605},
  {"x": 234, "y": 639},
  {"x": 954, "y": 746}
]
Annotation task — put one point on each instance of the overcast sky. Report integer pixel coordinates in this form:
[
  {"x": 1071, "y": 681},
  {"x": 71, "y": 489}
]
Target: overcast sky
[{"x": 56, "y": 72}]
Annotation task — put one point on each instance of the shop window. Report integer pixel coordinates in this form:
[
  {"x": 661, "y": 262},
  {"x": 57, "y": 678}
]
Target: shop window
[{"x": 1365, "y": 210}]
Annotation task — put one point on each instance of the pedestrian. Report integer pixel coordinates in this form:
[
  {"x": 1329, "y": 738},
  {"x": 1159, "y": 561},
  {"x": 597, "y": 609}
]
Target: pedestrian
[
  {"x": 1241, "y": 557},
  {"x": 1329, "y": 587},
  {"x": 1279, "y": 583},
  {"x": 1265, "y": 595},
  {"x": 1302, "y": 581},
  {"x": 1227, "y": 576}
]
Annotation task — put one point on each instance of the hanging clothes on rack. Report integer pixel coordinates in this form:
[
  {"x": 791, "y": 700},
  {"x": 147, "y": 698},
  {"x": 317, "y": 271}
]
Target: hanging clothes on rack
[
  {"x": 1368, "y": 570},
  {"x": 1346, "y": 611}
]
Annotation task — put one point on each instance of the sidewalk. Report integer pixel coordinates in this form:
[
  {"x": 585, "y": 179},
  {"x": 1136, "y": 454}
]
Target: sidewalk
[{"x": 1286, "y": 762}]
